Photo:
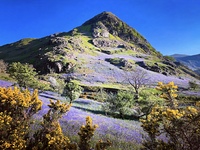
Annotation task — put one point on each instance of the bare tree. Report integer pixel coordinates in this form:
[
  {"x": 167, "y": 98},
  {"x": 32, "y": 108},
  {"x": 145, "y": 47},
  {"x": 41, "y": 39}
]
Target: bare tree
[{"x": 136, "y": 78}]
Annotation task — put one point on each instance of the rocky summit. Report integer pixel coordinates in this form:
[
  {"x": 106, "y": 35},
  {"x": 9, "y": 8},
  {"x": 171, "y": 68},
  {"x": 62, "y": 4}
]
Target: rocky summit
[
  {"x": 106, "y": 23},
  {"x": 101, "y": 50}
]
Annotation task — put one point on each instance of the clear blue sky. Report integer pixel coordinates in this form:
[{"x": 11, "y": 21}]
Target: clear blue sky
[{"x": 171, "y": 26}]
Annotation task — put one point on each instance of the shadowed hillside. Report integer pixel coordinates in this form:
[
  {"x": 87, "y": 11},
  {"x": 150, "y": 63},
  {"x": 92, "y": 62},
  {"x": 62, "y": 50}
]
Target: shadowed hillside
[{"x": 192, "y": 62}]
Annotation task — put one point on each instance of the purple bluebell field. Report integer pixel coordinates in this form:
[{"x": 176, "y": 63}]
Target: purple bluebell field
[
  {"x": 5, "y": 83},
  {"x": 71, "y": 122},
  {"x": 114, "y": 129},
  {"x": 125, "y": 134}
]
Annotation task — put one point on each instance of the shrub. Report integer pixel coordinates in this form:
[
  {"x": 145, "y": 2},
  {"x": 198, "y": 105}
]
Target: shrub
[
  {"x": 179, "y": 127},
  {"x": 16, "y": 109},
  {"x": 169, "y": 93},
  {"x": 24, "y": 74},
  {"x": 50, "y": 135},
  {"x": 102, "y": 95},
  {"x": 148, "y": 98},
  {"x": 86, "y": 133},
  {"x": 120, "y": 103},
  {"x": 193, "y": 85},
  {"x": 72, "y": 91}
]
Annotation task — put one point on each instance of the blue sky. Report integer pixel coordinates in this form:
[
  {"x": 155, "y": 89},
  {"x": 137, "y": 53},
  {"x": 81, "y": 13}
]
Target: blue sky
[{"x": 171, "y": 26}]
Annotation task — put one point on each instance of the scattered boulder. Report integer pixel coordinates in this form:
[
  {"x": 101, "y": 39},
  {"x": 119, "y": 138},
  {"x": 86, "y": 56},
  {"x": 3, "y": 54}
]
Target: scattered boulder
[
  {"x": 169, "y": 69},
  {"x": 165, "y": 73},
  {"x": 104, "y": 42},
  {"x": 119, "y": 62},
  {"x": 53, "y": 81},
  {"x": 99, "y": 30},
  {"x": 59, "y": 67},
  {"x": 170, "y": 63},
  {"x": 97, "y": 33},
  {"x": 57, "y": 41},
  {"x": 155, "y": 68},
  {"x": 142, "y": 64}
]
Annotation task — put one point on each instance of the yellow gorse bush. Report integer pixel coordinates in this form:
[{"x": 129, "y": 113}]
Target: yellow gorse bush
[
  {"x": 86, "y": 133},
  {"x": 169, "y": 93},
  {"x": 17, "y": 108},
  {"x": 18, "y": 100},
  {"x": 50, "y": 136},
  {"x": 179, "y": 126}
]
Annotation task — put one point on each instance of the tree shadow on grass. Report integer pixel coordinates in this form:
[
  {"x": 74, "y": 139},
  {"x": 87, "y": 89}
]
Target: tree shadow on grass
[
  {"x": 82, "y": 102},
  {"x": 112, "y": 115},
  {"x": 49, "y": 97},
  {"x": 89, "y": 110}
]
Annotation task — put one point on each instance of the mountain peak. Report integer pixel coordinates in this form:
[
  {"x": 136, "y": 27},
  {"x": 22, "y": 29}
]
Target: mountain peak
[
  {"x": 108, "y": 22},
  {"x": 104, "y": 16}
]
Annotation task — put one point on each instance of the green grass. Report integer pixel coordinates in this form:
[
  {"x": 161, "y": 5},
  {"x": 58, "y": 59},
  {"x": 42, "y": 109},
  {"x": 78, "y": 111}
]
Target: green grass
[
  {"x": 89, "y": 47},
  {"x": 112, "y": 86},
  {"x": 129, "y": 52},
  {"x": 25, "y": 41},
  {"x": 24, "y": 50},
  {"x": 132, "y": 62},
  {"x": 116, "y": 143},
  {"x": 115, "y": 61},
  {"x": 85, "y": 29},
  {"x": 99, "y": 86},
  {"x": 112, "y": 37}
]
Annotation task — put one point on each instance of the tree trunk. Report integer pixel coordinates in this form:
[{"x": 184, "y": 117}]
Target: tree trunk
[{"x": 136, "y": 94}]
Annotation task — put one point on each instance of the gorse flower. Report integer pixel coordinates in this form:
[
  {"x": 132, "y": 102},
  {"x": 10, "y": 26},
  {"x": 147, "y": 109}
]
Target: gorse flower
[
  {"x": 168, "y": 93},
  {"x": 16, "y": 109},
  {"x": 180, "y": 126},
  {"x": 16, "y": 113},
  {"x": 86, "y": 133}
]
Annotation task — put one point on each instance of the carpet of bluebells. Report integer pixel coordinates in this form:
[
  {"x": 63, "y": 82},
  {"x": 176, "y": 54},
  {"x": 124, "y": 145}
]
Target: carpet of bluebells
[
  {"x": 97, "y": 70},
  {"x": 122, "y": 130},
  {"x": 112, "y": 128},
  {"x": 125, "y": 130}
]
